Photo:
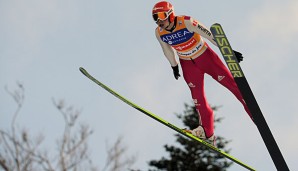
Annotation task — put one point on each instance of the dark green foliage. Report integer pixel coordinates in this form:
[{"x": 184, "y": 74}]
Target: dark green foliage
[{"x": 190, "y": 155}]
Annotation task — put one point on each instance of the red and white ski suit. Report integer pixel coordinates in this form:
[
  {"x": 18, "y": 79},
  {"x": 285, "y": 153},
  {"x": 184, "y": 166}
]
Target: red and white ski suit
[{"x": 197, "y": 58}]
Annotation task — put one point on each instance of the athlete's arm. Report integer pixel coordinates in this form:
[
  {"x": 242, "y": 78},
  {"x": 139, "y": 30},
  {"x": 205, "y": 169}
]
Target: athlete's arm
[
  {"x": 195, "y": 26},
  {"x": 167, "y": 50}
]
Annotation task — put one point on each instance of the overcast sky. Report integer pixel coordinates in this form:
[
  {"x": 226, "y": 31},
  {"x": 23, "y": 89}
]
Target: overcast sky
[{"x": 44, "y": 42}]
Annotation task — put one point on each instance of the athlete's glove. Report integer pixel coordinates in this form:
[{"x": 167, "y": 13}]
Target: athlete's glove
[
  {"x": 176, "y": 71},
  {"x": 238, "y": 56}
]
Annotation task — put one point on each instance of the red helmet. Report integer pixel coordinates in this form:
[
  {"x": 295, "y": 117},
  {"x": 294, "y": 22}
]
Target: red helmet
[{"x": 163, "y": 10}]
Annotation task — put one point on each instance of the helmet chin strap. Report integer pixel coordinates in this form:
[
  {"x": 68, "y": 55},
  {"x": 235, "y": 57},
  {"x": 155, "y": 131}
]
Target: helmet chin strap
[{"x": 173, "y": 27}]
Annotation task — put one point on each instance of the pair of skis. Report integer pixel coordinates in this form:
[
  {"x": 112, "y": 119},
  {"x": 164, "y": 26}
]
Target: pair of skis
[
  {"x": 246, "y": 92},
  {"x": 153, "y": 116}
]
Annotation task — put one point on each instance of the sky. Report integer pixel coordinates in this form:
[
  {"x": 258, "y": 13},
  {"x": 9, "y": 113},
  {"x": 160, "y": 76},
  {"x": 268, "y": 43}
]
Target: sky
[{"x": 44, "y": 42}]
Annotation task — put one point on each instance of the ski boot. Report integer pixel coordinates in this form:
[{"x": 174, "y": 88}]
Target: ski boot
[{"x": 200, "y": 133}]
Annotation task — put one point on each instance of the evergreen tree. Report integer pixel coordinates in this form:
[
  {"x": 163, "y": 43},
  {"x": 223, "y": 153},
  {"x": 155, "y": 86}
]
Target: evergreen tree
[{"x": 190, "y": 155}]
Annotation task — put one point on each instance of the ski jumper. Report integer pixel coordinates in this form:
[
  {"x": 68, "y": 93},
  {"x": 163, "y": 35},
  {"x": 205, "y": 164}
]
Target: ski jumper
[{"x": 197, "y": 58}]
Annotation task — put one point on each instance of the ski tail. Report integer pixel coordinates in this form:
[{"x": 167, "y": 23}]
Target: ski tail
[{"x": 164, "y": 122}]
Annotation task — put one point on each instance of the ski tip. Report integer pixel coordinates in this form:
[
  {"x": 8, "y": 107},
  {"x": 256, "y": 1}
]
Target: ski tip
[
  {"x": 82, "y": 69},
  {"x": 215, "y": 24}
]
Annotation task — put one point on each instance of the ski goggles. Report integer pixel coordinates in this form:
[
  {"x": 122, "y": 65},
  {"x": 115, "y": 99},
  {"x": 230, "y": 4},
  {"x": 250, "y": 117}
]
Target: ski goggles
[{"x": 161, "y": 16}]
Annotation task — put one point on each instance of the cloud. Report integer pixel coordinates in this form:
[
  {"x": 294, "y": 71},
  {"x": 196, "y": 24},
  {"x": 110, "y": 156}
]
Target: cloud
[
  {"x": 29, "y": 20},
  {"x": 272, "y": 32},
  {"x": 28, "y": 26},
  {"x": 275, "y": 21},
  {"x": 269, "y": 37}
]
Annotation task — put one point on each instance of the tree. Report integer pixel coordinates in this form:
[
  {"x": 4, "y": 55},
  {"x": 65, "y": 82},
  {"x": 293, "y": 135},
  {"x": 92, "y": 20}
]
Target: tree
[
  {"x": 21, "y": 152},
  {"x": 190, "y": 155},
  {"x": 114, "y": 160}
]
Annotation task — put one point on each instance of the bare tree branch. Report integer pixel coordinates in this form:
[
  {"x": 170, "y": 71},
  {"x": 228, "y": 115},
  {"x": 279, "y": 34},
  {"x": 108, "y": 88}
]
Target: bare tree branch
[
  {"x": 18, "y": 96},
  {"x": 73, "y": 148},
  {"x": 114, "y": 161},
  {"x": 20, "y": 151}
]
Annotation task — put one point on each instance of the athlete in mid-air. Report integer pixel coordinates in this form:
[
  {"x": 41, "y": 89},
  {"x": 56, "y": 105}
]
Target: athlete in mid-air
[{"x": 184, "y": 35}]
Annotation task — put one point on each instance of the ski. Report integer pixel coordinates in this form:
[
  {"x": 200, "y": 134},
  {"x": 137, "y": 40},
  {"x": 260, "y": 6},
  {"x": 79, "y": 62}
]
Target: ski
[
  {"x": 239, "y": 77},
  {"x": 164, "y": 122}
]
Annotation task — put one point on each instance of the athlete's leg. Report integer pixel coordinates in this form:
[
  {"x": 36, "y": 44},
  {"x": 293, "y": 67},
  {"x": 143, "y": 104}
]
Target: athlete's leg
[
  {"x": 221, "y": 74},
  {"x": 194, "y": 78}
]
